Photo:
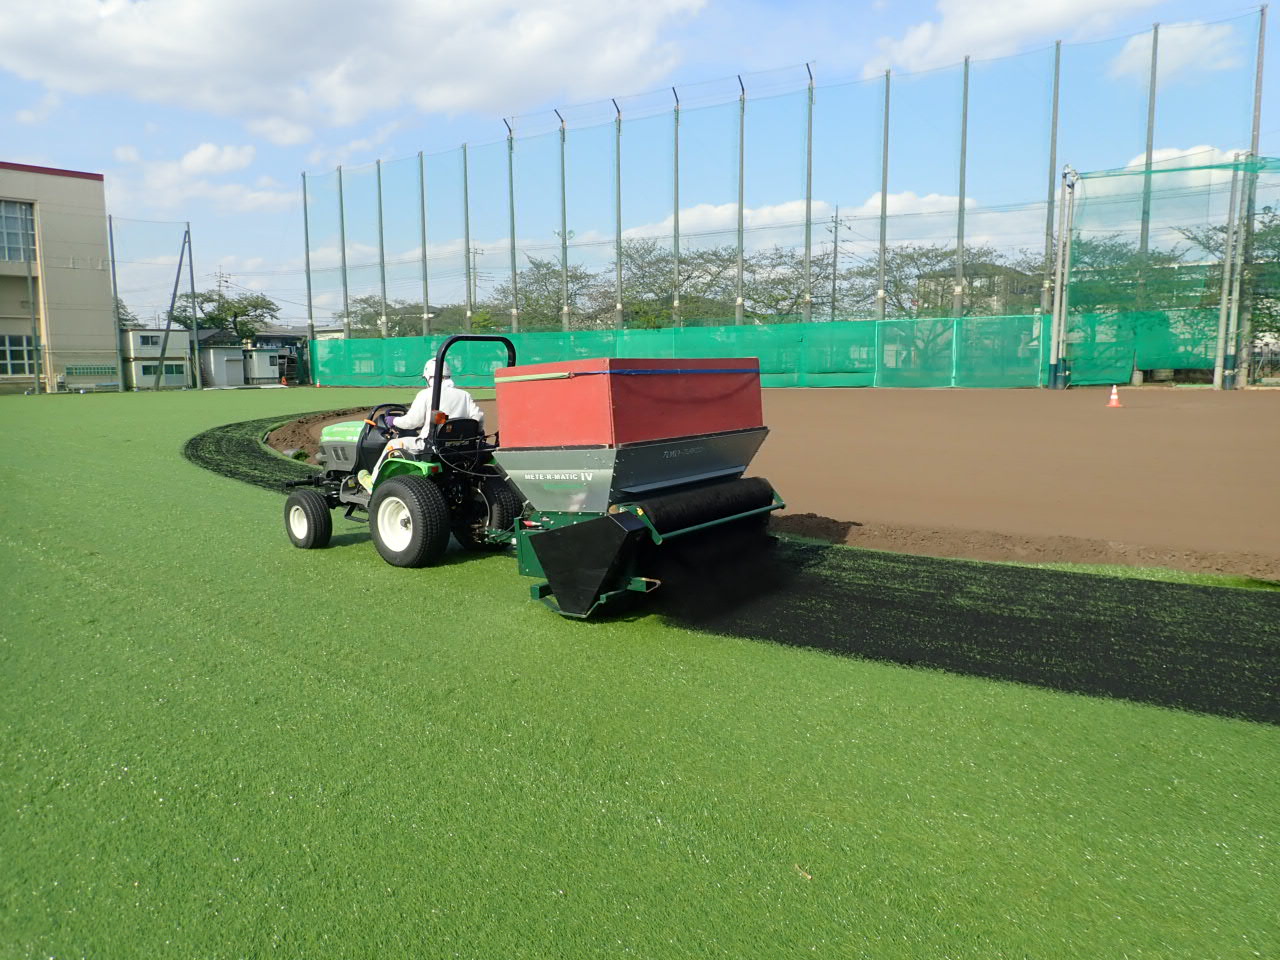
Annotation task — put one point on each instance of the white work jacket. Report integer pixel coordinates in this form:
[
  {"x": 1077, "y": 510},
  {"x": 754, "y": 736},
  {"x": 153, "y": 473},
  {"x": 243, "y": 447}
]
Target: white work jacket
[{"x": 454, "y": 401}]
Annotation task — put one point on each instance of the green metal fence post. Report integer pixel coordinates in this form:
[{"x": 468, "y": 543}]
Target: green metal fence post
[
  {"x": 617, "y": 213},
  {"x": 881, "y": 292},
  {"x": 306, "y": 258},
  {"x": 466, "y": 238},
  {"x": 807, "y": 310},
  {"x": 342, "y": 247},
  {"x": 115, "y": 303},
  {"x": 511, "y": 224},
  {"x": 422, "y": 235},
  {"x": 564, "y": 233},
  {"x": 742, "y": 168},
  {"x": 675, "y": 210},
  {"x": 957, "y": 293},
  {"x": 382, "y": 258}
]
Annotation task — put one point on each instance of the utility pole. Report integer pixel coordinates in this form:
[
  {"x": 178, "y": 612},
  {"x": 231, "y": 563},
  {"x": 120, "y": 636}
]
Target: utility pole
[{"x": 835, "y": 257}]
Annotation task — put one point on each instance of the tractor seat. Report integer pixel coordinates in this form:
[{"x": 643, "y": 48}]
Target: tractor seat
[{"x": 461, "y": 443}]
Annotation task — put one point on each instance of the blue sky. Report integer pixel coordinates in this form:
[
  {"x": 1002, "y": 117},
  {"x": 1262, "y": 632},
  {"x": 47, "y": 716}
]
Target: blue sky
[{"x": 204, "y": 111}]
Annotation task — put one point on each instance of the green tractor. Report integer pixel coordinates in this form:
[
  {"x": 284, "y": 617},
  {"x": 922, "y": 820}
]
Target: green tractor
[
  {"x": 452, "y": 486},
  {"x": 610, "y": 462}
]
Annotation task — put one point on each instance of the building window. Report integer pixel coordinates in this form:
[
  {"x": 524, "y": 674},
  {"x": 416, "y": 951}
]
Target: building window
[
  {"x": 149, "y": 341},
  {"x": 90, "y": 370},
  {"x": 172, "y": 369},
  {"x": 274, "y": 361},
  {"x": 17, "y": 358},
  {"x": 148, "y": 369},
  {"x": 17, "y": 231}
]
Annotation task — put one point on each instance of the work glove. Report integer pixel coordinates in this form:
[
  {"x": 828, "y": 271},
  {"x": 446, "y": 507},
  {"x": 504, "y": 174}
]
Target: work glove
[{"x": 389, "y": 421}]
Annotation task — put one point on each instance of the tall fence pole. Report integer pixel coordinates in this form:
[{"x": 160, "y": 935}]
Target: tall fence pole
[
  {"x": 195, "y": 314},
  {"x": 1231, "y": 362},
  {"x": 466, "y": 238},
  {"x": 1144, "y": 237},
  {"x": 835, "y": 257},
  {"x": 342, "y": 246},
  {"x": 511, "y": 225},
  {"x": 1060, "y": 283},
  {"x": 306, "y": 258},
  {"x": 807, "y": 311},
  {"x": 36, "y": 360},
  {"x": 1064, "y": 280},
  {"x": 881, "y": 292},
  {"x": 617, "y": 212},
  {"x": 957, "y": 292},
  {"x": 115, "y": 303},
  {"x": 1228, "y": 263},
  {"x": 564, "y": 233},
  {"x": 738, "y": 303},
  {"x": 1046, "y": 290},
  {"x": 1244, "y": 353},
  {"x": 173, "y": 302},
  {"x": 675, "y": 210},
  {"x": 422, "y": 241},
  {"x": 382, "y": 258}
]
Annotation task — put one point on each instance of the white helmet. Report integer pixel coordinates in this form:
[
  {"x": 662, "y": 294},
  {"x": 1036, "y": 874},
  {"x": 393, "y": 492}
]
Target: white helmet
[{"x": 429, "y": 371}]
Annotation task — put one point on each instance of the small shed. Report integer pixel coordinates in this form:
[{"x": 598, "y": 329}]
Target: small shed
[
  {"x": 222, "y": 365},
  {"x": 262, "y": 365}
]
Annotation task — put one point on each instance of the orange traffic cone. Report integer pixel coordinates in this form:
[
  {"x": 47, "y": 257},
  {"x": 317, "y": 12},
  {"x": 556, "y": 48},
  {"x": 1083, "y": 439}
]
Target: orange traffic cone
[{"x": 1115, "y": 398}]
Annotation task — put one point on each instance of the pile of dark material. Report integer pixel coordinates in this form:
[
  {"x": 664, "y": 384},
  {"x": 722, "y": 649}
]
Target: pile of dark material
[
  {"x": 1209, "y": 649},
  {"x": 235, "y": 450}
]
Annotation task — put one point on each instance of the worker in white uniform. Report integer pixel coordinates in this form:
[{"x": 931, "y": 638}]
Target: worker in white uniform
[{"x": 455, "y": 403}]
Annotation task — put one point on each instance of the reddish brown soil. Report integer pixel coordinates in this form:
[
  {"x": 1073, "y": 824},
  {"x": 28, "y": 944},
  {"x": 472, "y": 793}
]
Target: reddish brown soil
[
  {"x": 1180, "y": 478},
  {"x": 304, "y": 433}
]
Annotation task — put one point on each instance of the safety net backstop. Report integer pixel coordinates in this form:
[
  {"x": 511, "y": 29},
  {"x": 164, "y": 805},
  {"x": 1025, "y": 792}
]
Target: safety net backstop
[{"x": 948, "y": 352}]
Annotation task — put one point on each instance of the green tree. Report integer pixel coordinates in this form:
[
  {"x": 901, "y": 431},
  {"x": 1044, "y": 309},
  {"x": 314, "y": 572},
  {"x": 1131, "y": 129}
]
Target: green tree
[
  {"x": 128, "y": 319},
  {"x": 242, "y": 315},
  {"x": 404, "y": 317},
  {"x": 541, "y": 292},
  {"x": 1260, "y": 282}
]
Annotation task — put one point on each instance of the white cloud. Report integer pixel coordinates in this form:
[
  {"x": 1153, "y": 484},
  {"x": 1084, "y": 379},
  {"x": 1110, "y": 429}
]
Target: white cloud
[
  {"x": 281, "y": 132},
  {"x": 994, "y": 28},
  {"x": 125, "y": 153},
  {"x": 332, "y": 156},
  {"x": 1185, "y": 48},
  {"x": 41, "y": 111},
  {"x": 290, "y": 65},
  {"x": 210, "y": 158},
  {"x": 781, "y": 223},
  {"x": 171, "y": 185}
]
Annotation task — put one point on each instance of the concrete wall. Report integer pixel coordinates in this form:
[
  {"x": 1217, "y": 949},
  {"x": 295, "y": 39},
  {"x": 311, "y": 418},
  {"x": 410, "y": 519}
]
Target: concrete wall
[
  {"x": 136, "y": 378},
  {"x": 72, "y": 277}
]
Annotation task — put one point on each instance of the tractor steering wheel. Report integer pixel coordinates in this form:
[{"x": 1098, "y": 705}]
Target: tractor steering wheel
[{"x": 379, "y": 422}]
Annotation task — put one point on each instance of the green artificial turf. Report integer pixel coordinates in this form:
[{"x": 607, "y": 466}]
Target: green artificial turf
[{"x": 219, "y": 746}]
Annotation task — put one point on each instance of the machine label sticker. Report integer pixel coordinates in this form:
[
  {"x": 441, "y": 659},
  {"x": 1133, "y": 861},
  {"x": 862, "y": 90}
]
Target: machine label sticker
[
  {"x": 584, "y": 476},
  {"x": 682, "y": 451}
]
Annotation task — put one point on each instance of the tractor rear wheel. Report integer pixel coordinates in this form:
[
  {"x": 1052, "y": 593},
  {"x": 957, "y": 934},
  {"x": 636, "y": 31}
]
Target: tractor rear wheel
[
  {"x": 490, "y": 505},
  {"x": 307, "y": 520},
  {"x": 409, "y": 521}
]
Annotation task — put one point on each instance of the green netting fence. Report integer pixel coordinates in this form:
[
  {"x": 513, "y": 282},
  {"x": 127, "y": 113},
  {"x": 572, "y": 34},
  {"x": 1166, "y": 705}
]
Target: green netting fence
[
  {"x": 1158, "y": 272},
  {"x": 958, "y": 352}
]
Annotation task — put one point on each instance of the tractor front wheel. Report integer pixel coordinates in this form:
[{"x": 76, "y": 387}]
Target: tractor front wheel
[
  {"x": 409, "y": 521},
  {"x": 307, "y": 520}
]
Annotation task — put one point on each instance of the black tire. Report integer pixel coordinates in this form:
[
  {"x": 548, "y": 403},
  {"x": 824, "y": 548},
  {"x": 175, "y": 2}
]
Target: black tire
[
  {"x": 307, "y": 520},
  {"x": 492, "y": 504},
  {"x": 409, "y": 522}
]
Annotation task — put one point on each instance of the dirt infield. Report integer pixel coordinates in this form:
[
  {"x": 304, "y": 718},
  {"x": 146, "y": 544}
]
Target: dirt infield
[{"x": 1177, "y": 478}]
